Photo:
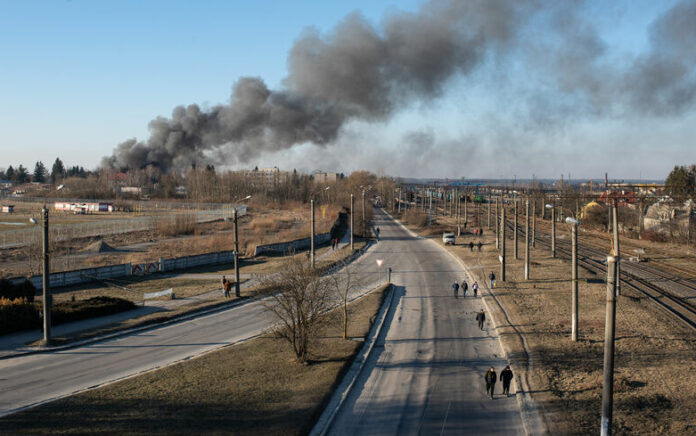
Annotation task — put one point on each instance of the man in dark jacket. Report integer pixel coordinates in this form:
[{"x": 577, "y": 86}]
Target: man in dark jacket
[
  {"x": 506, "y": 378},
  {"x": 464, "y": 287},
  {"x": 455, "y": 288},
  {"x": 480, "y": 317},
  {"x": 491, "y": 276},
  {"x": 490, "y": 378}
]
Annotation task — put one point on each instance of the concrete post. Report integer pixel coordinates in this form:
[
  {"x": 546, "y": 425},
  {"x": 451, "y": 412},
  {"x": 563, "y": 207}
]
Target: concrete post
[
  {"x": 311, "y": 243},
  {"x": 641, "y": 225},
  {"x": 399, "y": 200},
  {"x": 46, "y": 291},
  {"x": 526, "y": 241},
  {"x": 430, "y": 210},
  {"x": 237, "y": 291},
  {"x": 502, "y": 243},
  {"x": 574, "y": 280},
  {"x": 364, "y": 221},
  {"x": 497, "y": 225},
  {"x": 553, "y": 231},
  {"x": 466, "y": 211},
  {"x": 609, "y": 335},
  {"x": 489, "y": 213},
  {"x": 617, "y": 248},
  {"x": 534, "y": 223},
  {"x": 352, "y": 220},
  {"x": 459, "y": 216},
  {"x": 515, "y": 233}
]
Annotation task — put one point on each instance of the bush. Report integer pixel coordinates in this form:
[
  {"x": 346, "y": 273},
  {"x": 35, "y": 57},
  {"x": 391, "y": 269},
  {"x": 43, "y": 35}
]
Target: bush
[
  {"x": 182, "y": 224},
  {"x": 18, "y": 314},
  {"x": 12, "y": 291},
  {"x": 654, "y": 236}
]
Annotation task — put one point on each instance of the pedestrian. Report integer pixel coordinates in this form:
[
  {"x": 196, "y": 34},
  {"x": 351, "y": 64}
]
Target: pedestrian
[
  {"x": 481, "y": 231},
  {"x": 490, "y": 378},
  {"x": 228, "y": 289},
  {"x": 377, "y": 231},
  {"x": 474, "y": 287},
  {"x": 465, "y": 287},
  {"x": 479, "y": 245},
  {"x": 481, "y": 318},
  {"x": 506, "y": 378},
  {"x": 471, "y": 246},
  {"x": 455, "y": 288},
  {"x": 475, "y": 232},
  {"x": 223, "y": 282},
  {"x": 491, "y": 276}
]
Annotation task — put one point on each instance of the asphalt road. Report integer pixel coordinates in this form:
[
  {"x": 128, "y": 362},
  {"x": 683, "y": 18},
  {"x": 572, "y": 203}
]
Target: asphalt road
[
  {"x": 425, "y": 375},
  {"x": 34, "y": 379}
]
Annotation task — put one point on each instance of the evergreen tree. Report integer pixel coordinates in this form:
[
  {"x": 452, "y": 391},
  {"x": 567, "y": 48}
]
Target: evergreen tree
[
  {"x": 10, "y": 173},
  {"x": 681, "y": 183},
  {"x": 58, "y": 171},
  {"x": 39, "y": 173},
  {"x": 21, "y": 175}
]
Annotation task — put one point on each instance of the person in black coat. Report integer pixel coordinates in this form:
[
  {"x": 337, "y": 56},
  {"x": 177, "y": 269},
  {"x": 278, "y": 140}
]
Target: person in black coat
[
  {"x": 506, "y": 378},
  {"x": 481, "y": 318},
  {"x": 490, "y": 378}
]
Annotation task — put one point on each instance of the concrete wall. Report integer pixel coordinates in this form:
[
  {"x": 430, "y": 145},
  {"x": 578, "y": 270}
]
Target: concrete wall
[{"x": 297, "y": 244}]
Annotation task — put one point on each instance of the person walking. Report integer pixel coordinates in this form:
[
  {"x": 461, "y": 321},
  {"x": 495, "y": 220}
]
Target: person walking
[
  {"x": 464, "y": 287},
  {"x": 481, "y": 231},
  {"x": 479, "y": 245},
  {"x": 474, "y": 287},
  {"x": 475, "y": 232},
  {"x": 228, "y": 289},
  {"x": 223, "y": 282},
  {"x": 490, "y": 378},
  {"x": 506, "y": 378},
  {"x": 471, "y": 246},
  {"x": 481, "y": 318},
  {"x": 491, "y": 276},
  {"x": 455, "y": 288}
]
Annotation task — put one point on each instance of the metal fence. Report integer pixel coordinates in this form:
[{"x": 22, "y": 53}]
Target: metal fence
[{"x": 65, "y": 232}]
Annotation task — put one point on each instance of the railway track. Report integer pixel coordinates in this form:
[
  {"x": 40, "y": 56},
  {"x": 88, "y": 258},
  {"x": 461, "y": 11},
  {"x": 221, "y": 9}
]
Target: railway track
[{"x": 671, "y": 293}]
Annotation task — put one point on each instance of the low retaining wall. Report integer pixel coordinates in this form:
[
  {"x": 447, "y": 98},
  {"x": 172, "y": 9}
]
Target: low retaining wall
[{"x": 297, "y": 244}]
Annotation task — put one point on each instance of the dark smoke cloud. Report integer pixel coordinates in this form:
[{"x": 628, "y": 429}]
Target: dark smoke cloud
[
  {"x": 362, "y": 72},
  {"x": 356, "y": 72}
]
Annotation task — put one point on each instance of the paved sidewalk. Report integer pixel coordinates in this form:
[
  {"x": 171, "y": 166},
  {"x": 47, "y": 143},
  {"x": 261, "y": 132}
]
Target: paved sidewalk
[{"x": 16, "y": 343}]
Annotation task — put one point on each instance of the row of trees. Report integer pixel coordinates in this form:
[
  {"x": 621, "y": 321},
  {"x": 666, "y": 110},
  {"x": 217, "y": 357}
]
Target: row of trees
[
  {"x": 681, "y": 182},
  {"x": 41, "y": 174}
]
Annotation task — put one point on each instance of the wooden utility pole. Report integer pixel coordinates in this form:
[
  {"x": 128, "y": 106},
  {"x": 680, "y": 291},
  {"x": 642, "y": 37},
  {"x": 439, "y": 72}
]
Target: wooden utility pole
[
  {"x": 497, "y": 225},
  {"x": 489, "y": 213},
  {"x": 534, "y": 223}
]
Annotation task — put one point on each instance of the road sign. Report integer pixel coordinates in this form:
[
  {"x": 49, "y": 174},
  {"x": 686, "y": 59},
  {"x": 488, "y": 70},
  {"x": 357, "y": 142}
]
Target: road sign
[{"x": 380, "y": 262}]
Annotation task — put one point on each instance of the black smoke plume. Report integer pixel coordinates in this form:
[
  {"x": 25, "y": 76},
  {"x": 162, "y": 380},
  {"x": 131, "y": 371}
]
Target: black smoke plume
[{"x": 356, "y": 72}]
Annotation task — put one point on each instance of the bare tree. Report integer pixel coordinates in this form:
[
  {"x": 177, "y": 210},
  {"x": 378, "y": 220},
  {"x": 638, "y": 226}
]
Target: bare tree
[
  {"x": 343, "y": 284},
  {"x": 299, "y": 298}
]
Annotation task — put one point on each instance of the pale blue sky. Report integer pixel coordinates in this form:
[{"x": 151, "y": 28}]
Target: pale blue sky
[{"x": 78, "y": 77}]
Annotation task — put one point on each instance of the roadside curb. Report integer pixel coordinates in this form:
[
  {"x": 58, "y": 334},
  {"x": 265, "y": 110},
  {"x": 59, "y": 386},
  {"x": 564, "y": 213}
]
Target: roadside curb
[
  {"x": 343, "y": 390},
  {"x": 531, "y": 420}
]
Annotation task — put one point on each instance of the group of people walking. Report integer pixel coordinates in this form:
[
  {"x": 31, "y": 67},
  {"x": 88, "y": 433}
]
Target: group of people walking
[
  {"x": 491, "y": 378},
  {"x": 464, "y": 287}
]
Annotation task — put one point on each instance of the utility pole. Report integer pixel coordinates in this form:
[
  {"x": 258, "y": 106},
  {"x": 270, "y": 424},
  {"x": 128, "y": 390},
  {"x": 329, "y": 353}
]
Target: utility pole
[
  {"x": 352, "y": 220},
  {"x": 534, "y": 223},
  {"x": 47, "y": 298},
  {"x": 399, "y": 199},
  {"x": 237, "y": 292},
  {"x": 311, "y": 202},
  {"x": 497, "y": 224},
  {"x": 364, "y": 223},
  {"x": 489, "y": 212},
  {"x": 466, "y": 212},
  {"x": 502, "y": 243},
  {"x": 459, "y": 216},
  {"x": 515, "y": 233},
  {"x": 617, "y": 249},
  {"x": 526, "y": 241},
  {"x": 430, "y": 210},
  {"x": 640, "y": 218},
  {"x": 553, "y": 231},
  {"x": 574, "y": 280},
  {"x": 609, "y": 334}
]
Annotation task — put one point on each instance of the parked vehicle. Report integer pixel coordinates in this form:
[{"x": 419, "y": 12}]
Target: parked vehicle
[{"x": 448, "y": 238}]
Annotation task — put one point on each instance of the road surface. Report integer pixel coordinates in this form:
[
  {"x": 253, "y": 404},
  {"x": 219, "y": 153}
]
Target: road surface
[{"x": 425, "y": 375}]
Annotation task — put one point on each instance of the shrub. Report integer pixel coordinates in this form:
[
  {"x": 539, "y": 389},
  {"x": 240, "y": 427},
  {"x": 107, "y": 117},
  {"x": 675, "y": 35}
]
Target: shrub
[
  {"x": 654, "y": 236},
  {"x": 11, "y": 291},
  {"x": 181, "y": 224},
  {"x": 17, "y": 315}
]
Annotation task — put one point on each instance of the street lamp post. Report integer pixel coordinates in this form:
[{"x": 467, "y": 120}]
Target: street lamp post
[
  {"x": 526, "y": 241},
  {"x": 574, "y": 277},
  {"x": 609, "y": 336},
  {"x": 553, "y": 229},
  {"x": 47, "y": 298},
  {"x": 237, "y": 290},
  {"x": 352, "y": 220}
]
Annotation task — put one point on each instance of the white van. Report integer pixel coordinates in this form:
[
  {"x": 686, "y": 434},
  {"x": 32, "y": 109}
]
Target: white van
[{"x": 448, "y": 238}]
